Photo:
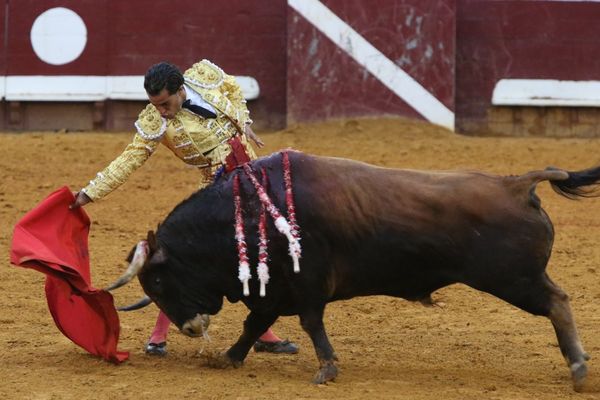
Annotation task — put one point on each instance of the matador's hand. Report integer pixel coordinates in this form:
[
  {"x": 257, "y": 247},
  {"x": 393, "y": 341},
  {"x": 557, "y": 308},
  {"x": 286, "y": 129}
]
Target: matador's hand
[
  {"x": 250, "y": 133},
  {"x": 81, "y": 199}
]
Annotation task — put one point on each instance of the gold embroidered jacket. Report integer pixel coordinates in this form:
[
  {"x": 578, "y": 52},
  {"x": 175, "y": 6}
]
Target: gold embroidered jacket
[{"x": 195, "y": 140}]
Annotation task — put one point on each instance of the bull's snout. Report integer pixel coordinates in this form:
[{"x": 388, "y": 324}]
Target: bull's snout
[
  {"x": 197, "y": 326},
  {"x": 189, "y": 331}
]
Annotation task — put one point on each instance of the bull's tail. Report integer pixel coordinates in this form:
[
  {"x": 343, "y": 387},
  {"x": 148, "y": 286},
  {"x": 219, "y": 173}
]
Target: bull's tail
[
  {"x": 573, "y": 185},
  {"x": 584, "y": 183}
]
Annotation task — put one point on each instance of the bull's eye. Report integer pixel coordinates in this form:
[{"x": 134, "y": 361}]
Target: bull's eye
[{"x": 157, "y": 280}]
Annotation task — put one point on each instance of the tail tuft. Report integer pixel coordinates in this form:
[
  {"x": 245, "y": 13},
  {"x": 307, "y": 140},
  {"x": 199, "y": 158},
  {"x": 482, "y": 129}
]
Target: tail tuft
[{"x": 584, "y": 183}]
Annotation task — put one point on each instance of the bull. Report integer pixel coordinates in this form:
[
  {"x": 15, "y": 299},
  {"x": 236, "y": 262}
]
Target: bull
[{"x": 365, "y": 231}]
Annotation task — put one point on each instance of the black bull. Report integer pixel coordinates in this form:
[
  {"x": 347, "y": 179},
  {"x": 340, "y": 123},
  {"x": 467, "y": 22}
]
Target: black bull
[{"x": 364, "y": 231}]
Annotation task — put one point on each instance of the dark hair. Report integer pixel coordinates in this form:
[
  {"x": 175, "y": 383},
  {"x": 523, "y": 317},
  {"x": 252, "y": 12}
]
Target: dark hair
[{"x": 160, "y": 76}]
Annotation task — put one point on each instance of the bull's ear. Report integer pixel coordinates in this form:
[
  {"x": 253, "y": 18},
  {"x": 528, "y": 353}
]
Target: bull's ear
[
  {"x": 152, "y": 244},
  {"x": 159, "y": 256}
]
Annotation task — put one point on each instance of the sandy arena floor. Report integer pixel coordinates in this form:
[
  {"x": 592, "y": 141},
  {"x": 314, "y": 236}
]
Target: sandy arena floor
[{"x": 475, "y": 347}]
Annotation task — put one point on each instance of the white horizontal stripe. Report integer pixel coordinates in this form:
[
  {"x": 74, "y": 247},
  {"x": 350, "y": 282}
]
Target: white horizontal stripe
[
  {"x": 546, "y": 92},
  {"x": 125, "y": 87},
  {"x": 55, "y": 88},
  {"x": 385, "y": 70},
  {"x": 89, "y": 87}
]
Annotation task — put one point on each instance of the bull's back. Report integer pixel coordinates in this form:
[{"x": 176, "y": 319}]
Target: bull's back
[
  {"x": 354, "y": 197},
  {"x": 407, "y": 233}
]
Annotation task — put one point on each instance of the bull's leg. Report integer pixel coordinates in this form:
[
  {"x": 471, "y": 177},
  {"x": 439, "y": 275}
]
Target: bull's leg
[
  {"x": 570, "y": 346},
  {"x": 541, "y": 296},
  {"x": 312, "y": 323},
  {"x": 255, "y": 325}
]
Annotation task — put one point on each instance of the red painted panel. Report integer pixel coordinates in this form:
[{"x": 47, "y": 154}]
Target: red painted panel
[
  {"x": 230, "y": 33},
  {"x": 3, "y": 6},
  {"x": 521, "y": 39},
  {"x": 244, "y": 38},
  {"x": 324, "y": 82},
  {"x": 22, "y": 60}
]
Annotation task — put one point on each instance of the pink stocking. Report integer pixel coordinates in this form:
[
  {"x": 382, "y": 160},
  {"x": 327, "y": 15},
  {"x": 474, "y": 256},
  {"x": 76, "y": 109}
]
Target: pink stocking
[
  {"x": 159, "y": 334},
  {"x": 269, "y": 336}
]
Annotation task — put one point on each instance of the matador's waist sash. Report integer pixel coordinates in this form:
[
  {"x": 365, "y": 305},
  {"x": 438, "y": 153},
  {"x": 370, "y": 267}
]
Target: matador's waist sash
[{"x": 238, "y": 155}]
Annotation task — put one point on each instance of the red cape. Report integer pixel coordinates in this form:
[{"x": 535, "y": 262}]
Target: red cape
[{"x": 53, "y": 239}]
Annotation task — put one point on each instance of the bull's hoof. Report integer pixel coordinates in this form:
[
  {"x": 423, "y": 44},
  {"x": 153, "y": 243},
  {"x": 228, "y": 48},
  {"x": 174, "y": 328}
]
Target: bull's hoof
[
  {"x": 578, "y": 374},
  {"x": 221, "y": 361},
  {"x": 327, "y": 373}
]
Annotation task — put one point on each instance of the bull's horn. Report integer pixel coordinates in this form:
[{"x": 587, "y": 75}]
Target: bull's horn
[
  {"x": 137, "y": 262},
  {"x": 136, "y": 306}
]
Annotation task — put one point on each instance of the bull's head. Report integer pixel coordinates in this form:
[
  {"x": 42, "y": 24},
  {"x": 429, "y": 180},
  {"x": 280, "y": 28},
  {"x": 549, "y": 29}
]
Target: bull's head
[{"x": 176, "y": 295}]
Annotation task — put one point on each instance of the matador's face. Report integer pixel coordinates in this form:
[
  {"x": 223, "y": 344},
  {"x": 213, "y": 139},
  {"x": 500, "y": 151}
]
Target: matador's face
[{"x": 168, "y": 104}]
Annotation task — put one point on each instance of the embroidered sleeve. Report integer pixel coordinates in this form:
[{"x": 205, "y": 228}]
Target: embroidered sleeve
[
  {"x": 232, "y": 90},
  {"x": 117, "y": 172}
]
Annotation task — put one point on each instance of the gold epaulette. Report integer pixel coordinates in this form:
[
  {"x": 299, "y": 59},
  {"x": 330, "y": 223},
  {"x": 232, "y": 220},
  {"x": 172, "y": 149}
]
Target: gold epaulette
[
  {"x": 204, "y": 74},
  {"x": 150, "y": 125}
]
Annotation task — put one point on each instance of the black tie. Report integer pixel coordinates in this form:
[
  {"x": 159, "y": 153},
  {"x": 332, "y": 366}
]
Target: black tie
[{"x": 201, "y": 111}]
